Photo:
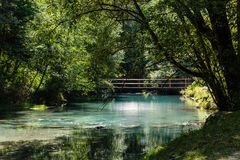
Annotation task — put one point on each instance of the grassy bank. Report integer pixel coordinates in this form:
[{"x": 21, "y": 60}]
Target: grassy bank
[{"x": 219, "y": 139}]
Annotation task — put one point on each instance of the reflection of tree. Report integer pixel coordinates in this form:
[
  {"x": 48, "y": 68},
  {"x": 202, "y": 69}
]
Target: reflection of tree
[
  {"x": 107, "y": 144},
  {"x": 100, "y": 142},
  {"x": 126, "y": 144},
  {"x": 161, "y": 135},
  {"x": 93, "y": 144},
  {"x": 135, "y": 143}
]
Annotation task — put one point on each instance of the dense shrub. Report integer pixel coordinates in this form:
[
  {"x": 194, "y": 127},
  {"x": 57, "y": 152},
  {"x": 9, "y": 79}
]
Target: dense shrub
[{"x": 198, "y": 96}]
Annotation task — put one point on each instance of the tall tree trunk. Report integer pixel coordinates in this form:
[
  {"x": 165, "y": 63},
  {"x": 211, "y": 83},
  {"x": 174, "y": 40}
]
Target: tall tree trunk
[
  {"x": 226, "y": 53},
  {"x": 221, "y": 99},
  {"x": 42, "y": 78},
  {"x": 238, "y": 26},
  {"x": 32, "y": 81}
]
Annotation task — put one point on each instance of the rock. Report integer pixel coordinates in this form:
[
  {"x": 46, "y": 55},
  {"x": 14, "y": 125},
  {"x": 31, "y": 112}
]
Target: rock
[{"x": 99, "y": 127}]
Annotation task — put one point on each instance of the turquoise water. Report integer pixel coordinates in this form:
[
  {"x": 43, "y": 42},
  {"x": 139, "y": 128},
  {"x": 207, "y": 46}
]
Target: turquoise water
[{"x": 125, "y": 128}]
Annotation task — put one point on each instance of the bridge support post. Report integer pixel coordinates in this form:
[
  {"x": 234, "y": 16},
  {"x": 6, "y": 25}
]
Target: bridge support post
[{"x": 170, "y": 84}]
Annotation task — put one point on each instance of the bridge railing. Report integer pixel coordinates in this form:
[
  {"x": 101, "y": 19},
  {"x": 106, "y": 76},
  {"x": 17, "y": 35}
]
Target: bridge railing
[{"x": 178, "y": 83}]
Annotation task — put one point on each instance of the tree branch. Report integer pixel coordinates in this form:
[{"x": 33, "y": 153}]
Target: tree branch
[
  {"x": 195, "y": 17},
  {"x": 159, "y": 46}
]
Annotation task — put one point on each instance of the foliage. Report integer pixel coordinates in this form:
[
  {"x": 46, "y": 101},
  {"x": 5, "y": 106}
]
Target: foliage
[
  {"x": 58, "y": 56},
  {"x": 14, "y": 55},
  {"x": 134, "y": 62},
  {"x": 218, "y": 139},
  {"x": 77, "y": 53},
  {"x": 198, "y": 96}
]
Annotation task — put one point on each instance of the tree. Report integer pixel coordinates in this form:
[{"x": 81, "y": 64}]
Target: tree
[
  {"x": 14, "y": 55},
  {"x": 71, "y": 56},
  {"x": 43, "y": 53},
  {"x": 206, "y": 32},
  {"x": 135, "y": 61}
]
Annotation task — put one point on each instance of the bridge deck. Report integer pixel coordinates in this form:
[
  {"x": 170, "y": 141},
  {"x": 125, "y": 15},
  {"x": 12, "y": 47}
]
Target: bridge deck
[{"x": 151, "y": 84}]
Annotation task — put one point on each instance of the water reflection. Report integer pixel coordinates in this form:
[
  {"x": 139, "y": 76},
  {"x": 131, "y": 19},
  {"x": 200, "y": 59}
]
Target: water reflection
[{"x": 115, "y": 144}]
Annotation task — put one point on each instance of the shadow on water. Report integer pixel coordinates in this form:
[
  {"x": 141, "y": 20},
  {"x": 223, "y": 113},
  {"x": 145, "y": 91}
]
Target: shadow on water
[
  {"x": 9, "y": 114},
  {"x": 94, "y": 144}
]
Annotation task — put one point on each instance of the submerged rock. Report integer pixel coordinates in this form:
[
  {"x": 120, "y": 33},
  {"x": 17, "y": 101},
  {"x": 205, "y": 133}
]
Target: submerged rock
[{"x": 100, "y": 127}]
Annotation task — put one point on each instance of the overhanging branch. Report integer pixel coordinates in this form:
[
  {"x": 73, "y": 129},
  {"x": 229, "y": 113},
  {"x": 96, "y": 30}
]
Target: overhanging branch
[{"x": 160, "y": 47}]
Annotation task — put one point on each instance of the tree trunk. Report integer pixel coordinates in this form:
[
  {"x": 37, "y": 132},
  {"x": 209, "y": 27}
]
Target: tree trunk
[
  {"x": 226, "y": 53},
  {"x": 226, "y": 94},
  {"x": 42, "y": 78}
]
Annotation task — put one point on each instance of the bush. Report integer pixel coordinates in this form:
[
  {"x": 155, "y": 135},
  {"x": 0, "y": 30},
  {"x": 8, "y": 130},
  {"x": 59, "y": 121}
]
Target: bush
[{"x": 198, "y": 96}]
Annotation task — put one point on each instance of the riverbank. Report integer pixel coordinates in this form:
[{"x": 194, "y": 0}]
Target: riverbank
[{"x": 219, "y": 139}]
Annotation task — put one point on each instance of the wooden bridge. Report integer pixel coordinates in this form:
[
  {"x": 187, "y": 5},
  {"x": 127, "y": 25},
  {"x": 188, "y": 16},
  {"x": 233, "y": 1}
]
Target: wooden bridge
[{"x": 160, "y": 85}]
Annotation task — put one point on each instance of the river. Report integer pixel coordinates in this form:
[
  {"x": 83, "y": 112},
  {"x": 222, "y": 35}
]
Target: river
[{"x": 126, "y": 128}]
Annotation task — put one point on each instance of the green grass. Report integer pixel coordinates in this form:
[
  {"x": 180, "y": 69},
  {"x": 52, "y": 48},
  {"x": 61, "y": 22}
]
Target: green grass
[{"x": 218, "y": 139}]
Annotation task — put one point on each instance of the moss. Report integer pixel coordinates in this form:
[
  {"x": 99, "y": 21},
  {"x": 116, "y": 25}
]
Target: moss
[{"x": 217, "y": 139}]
